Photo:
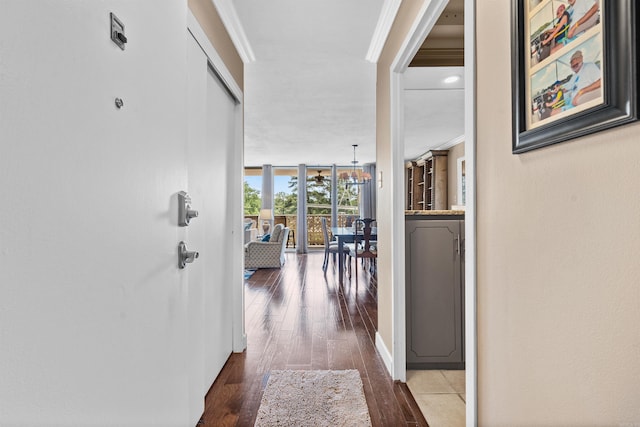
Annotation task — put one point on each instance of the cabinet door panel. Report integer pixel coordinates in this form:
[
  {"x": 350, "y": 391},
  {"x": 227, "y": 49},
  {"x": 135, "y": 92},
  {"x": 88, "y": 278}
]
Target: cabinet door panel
[{"x": 434, "y": 318}]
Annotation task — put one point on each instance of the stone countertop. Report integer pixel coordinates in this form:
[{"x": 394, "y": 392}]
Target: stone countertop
[{"x": 438, "y": 212}]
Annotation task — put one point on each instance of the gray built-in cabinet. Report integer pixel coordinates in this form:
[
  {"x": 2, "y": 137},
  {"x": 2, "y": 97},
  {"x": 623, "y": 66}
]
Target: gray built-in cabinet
[{"x": 435, "y": 291}]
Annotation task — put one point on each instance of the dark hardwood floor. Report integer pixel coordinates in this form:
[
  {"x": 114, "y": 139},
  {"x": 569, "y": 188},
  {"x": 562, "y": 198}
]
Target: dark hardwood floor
[{"x": 298, "y": 318}]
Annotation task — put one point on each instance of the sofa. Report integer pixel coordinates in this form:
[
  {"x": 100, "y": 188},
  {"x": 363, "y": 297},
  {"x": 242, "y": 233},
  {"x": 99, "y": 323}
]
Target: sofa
[{"x": 267, "y": 254}]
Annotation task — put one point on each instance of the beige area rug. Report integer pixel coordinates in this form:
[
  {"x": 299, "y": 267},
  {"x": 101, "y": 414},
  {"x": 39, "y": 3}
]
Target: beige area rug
[{"x": 313, "y": 398}]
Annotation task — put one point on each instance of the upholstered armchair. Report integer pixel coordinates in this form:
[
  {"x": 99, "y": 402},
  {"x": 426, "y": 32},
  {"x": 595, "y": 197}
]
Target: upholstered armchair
[{"x": 267, "y": 254}]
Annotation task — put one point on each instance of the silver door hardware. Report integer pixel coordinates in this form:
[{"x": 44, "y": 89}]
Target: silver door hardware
[
  {"x": 117, "y": 31},
  {"x": 185, "y": 213},
  {"x": 185, "y": 256}
]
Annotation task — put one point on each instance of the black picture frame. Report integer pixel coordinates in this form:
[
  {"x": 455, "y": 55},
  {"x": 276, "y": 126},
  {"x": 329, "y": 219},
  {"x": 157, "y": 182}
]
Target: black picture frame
[{"x": 618, "y": 102}]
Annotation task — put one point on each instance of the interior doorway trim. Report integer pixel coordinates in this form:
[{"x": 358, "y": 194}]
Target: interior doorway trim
[
  {"x": 425, "y": 20},
  {"x": 217, "y": 64},
  {"x": 423, "y": 24}
]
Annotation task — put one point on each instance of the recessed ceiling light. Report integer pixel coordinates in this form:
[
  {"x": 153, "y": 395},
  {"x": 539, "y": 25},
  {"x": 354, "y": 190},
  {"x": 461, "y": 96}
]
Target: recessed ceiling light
[{"x": 452, "y": 79}]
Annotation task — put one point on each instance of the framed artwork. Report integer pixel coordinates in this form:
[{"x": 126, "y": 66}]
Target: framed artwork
[{"x": 574, "y": 69}]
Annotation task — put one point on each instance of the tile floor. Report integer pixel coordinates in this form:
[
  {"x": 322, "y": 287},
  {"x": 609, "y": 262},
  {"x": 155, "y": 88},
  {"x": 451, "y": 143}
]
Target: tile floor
[{"x": 440, "y": 395}]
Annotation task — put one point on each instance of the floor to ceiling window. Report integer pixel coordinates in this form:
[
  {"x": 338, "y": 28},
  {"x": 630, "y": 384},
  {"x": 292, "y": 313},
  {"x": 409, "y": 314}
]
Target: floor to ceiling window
[
  {"x": 348, "y": 203},
  {"x": 252, "y": 192},
  {"x": 319, "y": 188},
  {"x": 285, "y": 199},
  {"x": 318, "y": 203}
]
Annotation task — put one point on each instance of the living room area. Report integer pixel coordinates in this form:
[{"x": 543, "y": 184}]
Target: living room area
[{"x": 272, "y": 196}]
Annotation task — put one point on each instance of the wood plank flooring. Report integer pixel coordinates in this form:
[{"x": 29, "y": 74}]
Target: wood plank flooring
[{"x": 298, "y": 318}]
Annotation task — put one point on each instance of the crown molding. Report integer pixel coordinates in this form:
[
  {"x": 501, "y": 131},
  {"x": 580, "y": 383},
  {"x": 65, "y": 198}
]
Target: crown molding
[
  {"x": 234, "y": 27},
  {"x": 455, "y": 141},
  {"x": 442, "y": 148},
  {"x": 385, "y": 21}
]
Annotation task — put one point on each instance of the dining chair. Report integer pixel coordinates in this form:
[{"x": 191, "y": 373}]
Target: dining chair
[
  {"x": 364, "y": 248},
  {"x": 371, "y": 222},
  {"x": 330, "y": 247}
]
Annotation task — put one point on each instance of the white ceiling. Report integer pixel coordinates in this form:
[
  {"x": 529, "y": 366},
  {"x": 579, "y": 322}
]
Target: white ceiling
[
  {"x": 310, "y": 93},
  {"x": 434, "y": 109}
]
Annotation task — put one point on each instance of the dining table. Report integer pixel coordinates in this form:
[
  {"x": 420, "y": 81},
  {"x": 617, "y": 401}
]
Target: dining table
[{"x": 348, "y": 235}]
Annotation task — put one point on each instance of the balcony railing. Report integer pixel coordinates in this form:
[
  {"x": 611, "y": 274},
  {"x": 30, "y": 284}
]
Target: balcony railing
[{"x": 314, "y": 226}]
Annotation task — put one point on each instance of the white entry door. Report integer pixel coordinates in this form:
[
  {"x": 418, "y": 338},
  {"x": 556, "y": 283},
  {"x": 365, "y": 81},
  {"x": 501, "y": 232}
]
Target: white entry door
[{"x": 93, "y": 312}]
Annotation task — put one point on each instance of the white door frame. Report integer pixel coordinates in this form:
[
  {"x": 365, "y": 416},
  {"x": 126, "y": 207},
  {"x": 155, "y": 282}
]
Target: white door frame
[
  {"x": 236, "y": 182},
  {"x": 422, "y": 26}
]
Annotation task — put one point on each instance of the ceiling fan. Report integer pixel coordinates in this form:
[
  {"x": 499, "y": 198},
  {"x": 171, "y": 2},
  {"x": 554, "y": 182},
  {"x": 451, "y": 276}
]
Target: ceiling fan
[{"x": 319, "y": 179}]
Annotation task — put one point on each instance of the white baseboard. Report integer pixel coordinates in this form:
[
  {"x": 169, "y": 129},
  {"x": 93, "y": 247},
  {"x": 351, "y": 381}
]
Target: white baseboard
[
  {"x": 385, "y": 354},
  {"x": 243, "y": 344}
]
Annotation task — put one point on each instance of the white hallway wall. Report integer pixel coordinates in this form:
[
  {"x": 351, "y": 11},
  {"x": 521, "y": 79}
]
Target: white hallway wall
[{"x": 93, "y": 309}]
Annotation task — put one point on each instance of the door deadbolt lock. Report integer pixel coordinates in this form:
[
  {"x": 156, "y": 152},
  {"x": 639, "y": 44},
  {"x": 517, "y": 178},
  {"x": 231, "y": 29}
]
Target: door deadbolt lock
[
  {"x": 184, "y": 256},
  {"x": 185, "y": 213}
]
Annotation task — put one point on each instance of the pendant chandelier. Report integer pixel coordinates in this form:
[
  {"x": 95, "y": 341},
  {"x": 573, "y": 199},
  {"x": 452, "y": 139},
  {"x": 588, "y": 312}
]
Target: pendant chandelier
[{"x": 356, "y": 176}]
